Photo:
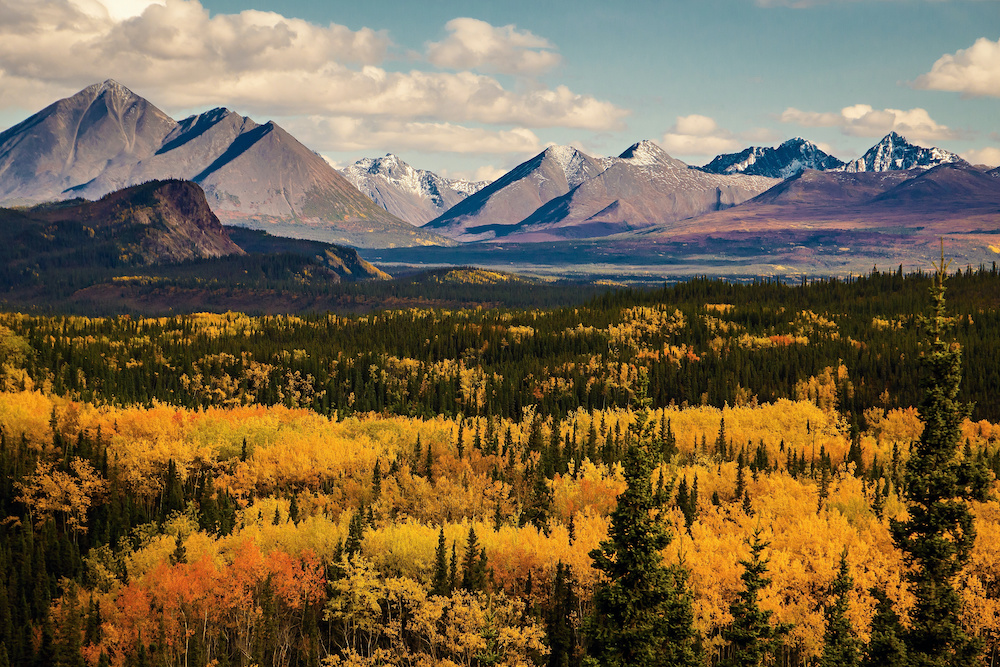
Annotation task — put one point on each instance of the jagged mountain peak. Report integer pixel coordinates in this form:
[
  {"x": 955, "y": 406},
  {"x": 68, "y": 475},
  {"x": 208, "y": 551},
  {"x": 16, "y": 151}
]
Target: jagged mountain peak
[
  {"x": 789, "y": 158},
  {"x": 414, "y": 195},
  {"x": 894, "y": 153},
  {"x": 575, "y": 164}
]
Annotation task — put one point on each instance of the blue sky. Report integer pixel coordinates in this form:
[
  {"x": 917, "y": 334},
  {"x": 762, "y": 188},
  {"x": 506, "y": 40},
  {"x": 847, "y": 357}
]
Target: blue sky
[{"x": 473, "y": 88}]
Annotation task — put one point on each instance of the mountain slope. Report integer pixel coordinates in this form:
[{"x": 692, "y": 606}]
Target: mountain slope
[
  {"x": 99, "y": 133},
  {"x": 153, "y": 223},
  {"x": 414, "y": 195},
  {"x": 106, "y": 137},
  {"x": 517, "y": 194},
  {"x": 642, "y": 187},
  {"x": 830, "y": 188},
  {"x": 951, "y": 186},
  {"x": 895, "y": 153},
  {"x": 788, "y": 159}
]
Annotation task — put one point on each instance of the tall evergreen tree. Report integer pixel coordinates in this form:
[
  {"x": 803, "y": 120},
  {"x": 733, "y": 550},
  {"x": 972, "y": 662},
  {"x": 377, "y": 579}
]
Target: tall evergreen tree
[
  {"x": 753, "y": 639},
  {"x": 642, "y": 613},
  {"x": 439, "y": 583},
  {"x": 937, "y": 537},
  {"x": 840, "y": 646},
  {"x": 474, "y": 564},
  {"x": 885, "y": 645}
]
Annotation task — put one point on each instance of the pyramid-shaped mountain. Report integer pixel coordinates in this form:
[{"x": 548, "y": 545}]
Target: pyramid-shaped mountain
[
  {"x": 517, "y": 194},
  {"x": 106, "y": 137}
]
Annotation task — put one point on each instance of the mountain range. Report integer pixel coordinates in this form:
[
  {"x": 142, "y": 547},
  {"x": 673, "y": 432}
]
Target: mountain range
[
  {"x": 564, "y": 193},
  {"x": 106, "y": 137},
  {"x": 788, "y": 159},
  {"x": 414, "y": 195}
]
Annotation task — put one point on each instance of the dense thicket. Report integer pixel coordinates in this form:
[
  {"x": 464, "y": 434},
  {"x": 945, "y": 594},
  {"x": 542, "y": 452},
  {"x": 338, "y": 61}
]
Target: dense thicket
[
  {"x": 155, "y": 510},
  {"x": 703, "y": 342}
]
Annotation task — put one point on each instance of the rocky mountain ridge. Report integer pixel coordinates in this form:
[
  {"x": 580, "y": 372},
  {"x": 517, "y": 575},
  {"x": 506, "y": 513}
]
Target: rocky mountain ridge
[
  {"x": 895, "y": 153},
  {"x": 564, "y": 193},
  {"x": 786, "y": 160},
  {"x": 414, "y": 195},
  {"x": 892, "y": 153}
]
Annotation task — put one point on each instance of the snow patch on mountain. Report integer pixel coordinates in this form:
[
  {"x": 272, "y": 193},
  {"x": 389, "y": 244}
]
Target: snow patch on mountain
[
  {"x": 895, "y": 153},
  {"x": 784, "y": 161},
  {"x": 388, "y": 181}
]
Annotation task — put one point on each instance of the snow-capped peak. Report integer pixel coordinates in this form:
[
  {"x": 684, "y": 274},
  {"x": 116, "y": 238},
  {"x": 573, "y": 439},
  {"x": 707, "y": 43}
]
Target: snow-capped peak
[
  {"x": 788, "y": 159},
  {"x": 895, "y": 153},
  {"x": 384, "y": 179},
  {"x": 572, "y": 162},
  {"x": 646, "y": 153},
  {"x": 112, "y": 88}
]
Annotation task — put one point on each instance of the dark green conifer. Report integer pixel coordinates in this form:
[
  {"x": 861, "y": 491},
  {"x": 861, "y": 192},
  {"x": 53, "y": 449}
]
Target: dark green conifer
[
  {"x": 753, "y": 639},
  {"x": 474, "y": 564},
  {"x": 642, "y": 613},
  {"x": 937, "y": 537},
  {"x": 840, "y": 644},
  {"x": 885, "y": 647},
  {"x": 439, "y": 582}
]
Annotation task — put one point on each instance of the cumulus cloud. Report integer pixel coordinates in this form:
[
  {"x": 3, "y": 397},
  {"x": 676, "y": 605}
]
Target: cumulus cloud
[
  {"x": 487, "y": 172},
  {"x": 862, "y": 120},
  {"x": 475, "y": 44},
  {"x": 701, "y": 135},
  {"x": 989, "y": 156},
  {"x": 971, "y": 71},
  {"x": 347, "y": 133},
  {"x": 180, "y": 56}
]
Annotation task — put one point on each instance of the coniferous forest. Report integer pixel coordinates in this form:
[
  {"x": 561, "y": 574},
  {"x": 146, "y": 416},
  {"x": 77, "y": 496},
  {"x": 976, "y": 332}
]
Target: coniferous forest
[{"x": 706, "y": 473}]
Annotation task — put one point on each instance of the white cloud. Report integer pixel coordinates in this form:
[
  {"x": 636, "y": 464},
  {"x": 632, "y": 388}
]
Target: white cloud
[
  {"x": 488, "y": 173},
  {"x": 116, "y": 9},
  {"x": 180, "y": 56},
  {"x": 989, "y": 156},
  {"x": 701, "y": 135},
  {"x": 972, "y": 71},
  {"x": 475, "y": 44},
  {"x": 861, "y": 120},
  {"x": 351, "y": 134}
]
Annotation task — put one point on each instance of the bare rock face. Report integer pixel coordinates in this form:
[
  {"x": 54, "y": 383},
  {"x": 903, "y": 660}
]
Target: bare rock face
[
  {"x": 152, "y": 223},
  {"x": 790, "y": 158},
  {"x": 414, "y": 195},
  {"x": 895, "y": 153},
  {"x": 106, "y": 138},
  {"x": 95, "y": 136},
  {"x": 642, "y": 187},
  {"x": 516, "y": 195}
]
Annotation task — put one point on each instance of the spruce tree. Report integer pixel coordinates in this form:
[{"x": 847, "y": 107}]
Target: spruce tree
[
  {"x": 937, "y": 537},
  {"x": 885, "y": 645},
  {"x": 439, "y": 584},
  {"x": 753, "y": 639},
  {"x": 642, "y": 612},
  {"x": 474, "y": 564},
  {"x": 840, "y": 647}
]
